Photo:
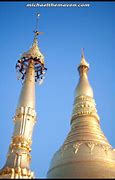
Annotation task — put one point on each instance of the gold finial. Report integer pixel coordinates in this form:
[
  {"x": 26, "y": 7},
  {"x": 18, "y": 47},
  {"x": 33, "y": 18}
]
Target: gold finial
[
  {"x": 37, "y": 16},
  {"x": 34, "y": 54},
  {"x": 83, "y": 88},
  {"x": 82, "y": 52},
  {"x": 36, "y": 31},
  {"x": 83, "y": 61}
]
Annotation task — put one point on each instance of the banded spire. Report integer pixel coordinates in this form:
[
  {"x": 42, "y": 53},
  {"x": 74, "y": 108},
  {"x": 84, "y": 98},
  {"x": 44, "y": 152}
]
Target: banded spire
[{"x": 83, "y": 87}]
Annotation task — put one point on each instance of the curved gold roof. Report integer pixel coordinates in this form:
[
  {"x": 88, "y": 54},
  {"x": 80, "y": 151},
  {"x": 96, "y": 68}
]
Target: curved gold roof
[{"x": 86, "y": 152}]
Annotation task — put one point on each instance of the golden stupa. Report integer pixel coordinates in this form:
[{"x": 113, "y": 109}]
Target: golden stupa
[{"x": 86, "y": 152}]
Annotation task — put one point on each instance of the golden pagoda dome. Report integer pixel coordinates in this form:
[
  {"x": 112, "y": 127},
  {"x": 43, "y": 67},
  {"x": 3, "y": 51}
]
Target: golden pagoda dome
[{"x": 86, "y": 152}]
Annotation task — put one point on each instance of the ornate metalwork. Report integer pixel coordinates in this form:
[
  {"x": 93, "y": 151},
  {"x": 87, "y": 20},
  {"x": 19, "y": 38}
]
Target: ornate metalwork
[
  {"x": 34, "y": 55},
  {"x": 106, "y": 148},
  {"x": 84, "y": 106},
  {"x": 27, "y": 111},
  {"x": 22, "y": 66},
  {"x": 91, "y": 146},
  {"x": 17, "y": 172},
  {"x": 76, "y": 146}
]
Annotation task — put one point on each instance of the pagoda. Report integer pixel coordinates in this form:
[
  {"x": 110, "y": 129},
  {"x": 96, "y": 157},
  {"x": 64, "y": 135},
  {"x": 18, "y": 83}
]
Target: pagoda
[
  {"x": 31, "y": 69},
  {"x": 86, "y": 152}
]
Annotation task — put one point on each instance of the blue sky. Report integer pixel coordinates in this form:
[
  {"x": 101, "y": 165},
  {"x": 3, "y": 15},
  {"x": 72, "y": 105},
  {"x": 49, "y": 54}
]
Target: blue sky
[{"x": 66, "y": 31}]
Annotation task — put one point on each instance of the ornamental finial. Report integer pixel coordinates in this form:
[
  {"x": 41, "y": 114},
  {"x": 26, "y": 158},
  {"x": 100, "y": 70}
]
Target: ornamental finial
[
  {"x": 83, "y": 61},
  {"x": 82, "y": 52},
  {"x": 37, "y": 17},
  {"x": 83, "y": 88},
  {"x": 33, "y": 54},
  {"x": 36, "y": 32}
]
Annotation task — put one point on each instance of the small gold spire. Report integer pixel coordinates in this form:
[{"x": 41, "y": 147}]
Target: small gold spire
[
  {"x": 83, "y": 61},
  {"x": 83, "y": 87}
]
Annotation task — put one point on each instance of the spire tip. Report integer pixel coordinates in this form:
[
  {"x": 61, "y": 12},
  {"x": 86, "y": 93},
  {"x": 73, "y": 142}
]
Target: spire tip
[
  {"x": 83, "y": 61},
  {"x": 36, "y": 32},
  {"x": 82, "y": 52}
]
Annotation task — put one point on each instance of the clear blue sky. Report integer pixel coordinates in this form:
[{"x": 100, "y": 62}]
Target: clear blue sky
[{"x": 66, "y": 31}]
